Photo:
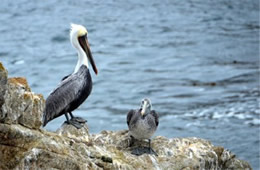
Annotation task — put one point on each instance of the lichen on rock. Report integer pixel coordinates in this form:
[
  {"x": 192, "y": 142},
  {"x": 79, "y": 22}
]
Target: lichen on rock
[
  {"x": 25, "y": 145},
  {"x": 20, "y": 105}
]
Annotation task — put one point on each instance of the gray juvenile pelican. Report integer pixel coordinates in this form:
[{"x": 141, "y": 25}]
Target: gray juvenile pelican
[
  {"x": 74, "y": 88},
  {"x": 142, "y": 123}
]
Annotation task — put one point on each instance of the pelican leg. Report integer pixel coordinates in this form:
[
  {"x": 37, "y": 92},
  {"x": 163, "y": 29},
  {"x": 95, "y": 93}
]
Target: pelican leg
[
  {"x": 151, "y": 151},
  {"x": 67, "y": 117},
  {"x": 73, "y": 122},
  {"x": 71, "y": 115},
  {"x": 131, "y": 142},
  {"x": 144, "y": 150},
  {"x": 77, "y": 119}
]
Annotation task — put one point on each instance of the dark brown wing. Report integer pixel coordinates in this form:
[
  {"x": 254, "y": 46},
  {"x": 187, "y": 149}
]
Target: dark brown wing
[
  {"x": 129, "y": 116},
  {"x": 61, "y": 97},
  {"x": 156, "y": 117}
]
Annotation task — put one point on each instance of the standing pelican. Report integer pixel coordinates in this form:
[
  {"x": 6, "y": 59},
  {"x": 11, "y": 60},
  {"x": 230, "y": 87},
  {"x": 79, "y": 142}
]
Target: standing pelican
[
  {"x": 142, "y": 123},
  {"x": 74, "y": 88}
]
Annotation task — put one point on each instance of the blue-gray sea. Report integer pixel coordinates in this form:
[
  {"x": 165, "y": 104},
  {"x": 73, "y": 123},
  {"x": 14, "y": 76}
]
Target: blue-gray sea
[{"x": 197, "y": 60}]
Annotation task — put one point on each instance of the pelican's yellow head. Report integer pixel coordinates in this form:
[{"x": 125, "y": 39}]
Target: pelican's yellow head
[
  {"x": 77, "y": 31},
  {"x": 79, "y": 40}
]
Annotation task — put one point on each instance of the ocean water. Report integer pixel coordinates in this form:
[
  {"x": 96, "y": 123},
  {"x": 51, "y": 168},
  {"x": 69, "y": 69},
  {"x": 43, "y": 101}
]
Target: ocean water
[{"x": 197, "y": 60}]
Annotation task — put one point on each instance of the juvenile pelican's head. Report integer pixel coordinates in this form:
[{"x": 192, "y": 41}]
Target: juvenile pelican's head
[
  {"x": 146, "y": 106},
  {"x": 79, "y": 40}
]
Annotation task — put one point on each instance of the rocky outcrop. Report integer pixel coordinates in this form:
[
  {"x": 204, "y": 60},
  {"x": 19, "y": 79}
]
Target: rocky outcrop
[
  {"x": 25, "y": 145},
  {"x": 18, "y": 104},
  {"x": 3, "y": 84}
]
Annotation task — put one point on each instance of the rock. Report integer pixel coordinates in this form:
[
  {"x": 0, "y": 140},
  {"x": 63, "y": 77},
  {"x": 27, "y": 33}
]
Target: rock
[
  {"x": 79, "y": 135},
  {"x": 25, "y": 148},
  {"x": 3, "y": 84},
  {"x": 20, "y": 105},
  {"x": 24, "y": 145}
]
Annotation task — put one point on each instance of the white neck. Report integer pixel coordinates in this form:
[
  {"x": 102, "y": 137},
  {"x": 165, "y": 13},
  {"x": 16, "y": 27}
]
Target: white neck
[{"x": 82, "y": 58}]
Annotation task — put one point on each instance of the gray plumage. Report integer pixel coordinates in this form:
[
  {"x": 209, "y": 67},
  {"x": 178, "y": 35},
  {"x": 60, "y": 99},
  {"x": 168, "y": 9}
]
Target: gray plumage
[
  {"x": 142, "y": 125},
  {"x": 69, "y": 95}
]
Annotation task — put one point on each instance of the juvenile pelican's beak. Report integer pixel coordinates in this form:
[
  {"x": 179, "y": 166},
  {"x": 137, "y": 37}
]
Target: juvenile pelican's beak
[
  {"x": 144, "y": 108},
  {"x": 83, "y": 40}
]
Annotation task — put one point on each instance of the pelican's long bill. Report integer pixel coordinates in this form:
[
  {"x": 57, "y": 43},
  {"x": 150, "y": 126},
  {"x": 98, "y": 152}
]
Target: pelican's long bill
[
  {"x": 144, "y": 108},
  {"x": 83, "y": 41}
]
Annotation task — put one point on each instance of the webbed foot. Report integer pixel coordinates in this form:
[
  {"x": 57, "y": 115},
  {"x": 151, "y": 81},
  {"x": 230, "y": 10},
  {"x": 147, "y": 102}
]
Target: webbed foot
[
  {"x": 152, "y": 152},
  {"x": 143, "y": 150},
  {"x": 78, "y": 119},
  {"x": 74, "y": 123},
  {"x": 138, "y": 151}
]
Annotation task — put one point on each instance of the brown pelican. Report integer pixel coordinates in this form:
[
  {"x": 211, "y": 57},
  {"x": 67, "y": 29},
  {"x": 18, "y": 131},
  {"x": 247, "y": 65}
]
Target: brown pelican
[
  {"x": 74, "y": 88},
  {"x": 142, "y": 124}
]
